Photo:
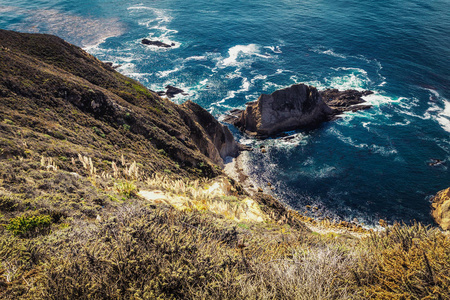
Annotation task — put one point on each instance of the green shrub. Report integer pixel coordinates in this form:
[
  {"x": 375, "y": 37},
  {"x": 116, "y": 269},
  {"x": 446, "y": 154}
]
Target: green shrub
[
  {"x": 99, "y": 132},
  {"x": 126, "y": 188},
  {"x": 126, "y": 127},
  {"x": 27, "y": 225}
]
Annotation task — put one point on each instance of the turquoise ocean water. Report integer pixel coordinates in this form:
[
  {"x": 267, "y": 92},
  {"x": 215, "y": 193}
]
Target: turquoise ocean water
[{"x": 368, "y": 165}]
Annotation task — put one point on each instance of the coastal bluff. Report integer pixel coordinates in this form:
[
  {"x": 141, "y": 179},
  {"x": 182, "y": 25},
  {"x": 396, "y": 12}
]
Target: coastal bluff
[
  {"x": 294, "y": 107},
  {"x": 52, "y": 88}
]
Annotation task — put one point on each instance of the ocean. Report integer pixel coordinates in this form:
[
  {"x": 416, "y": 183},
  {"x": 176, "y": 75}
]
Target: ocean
[{"x": 382, "y": 163}]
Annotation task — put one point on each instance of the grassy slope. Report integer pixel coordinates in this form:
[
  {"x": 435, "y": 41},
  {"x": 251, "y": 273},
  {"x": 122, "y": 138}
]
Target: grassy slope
[{"x": 71, "y": 232}]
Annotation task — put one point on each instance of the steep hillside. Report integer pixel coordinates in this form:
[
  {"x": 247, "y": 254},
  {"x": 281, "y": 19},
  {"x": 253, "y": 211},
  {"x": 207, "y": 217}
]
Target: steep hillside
[{"x": 59, "y": 101}]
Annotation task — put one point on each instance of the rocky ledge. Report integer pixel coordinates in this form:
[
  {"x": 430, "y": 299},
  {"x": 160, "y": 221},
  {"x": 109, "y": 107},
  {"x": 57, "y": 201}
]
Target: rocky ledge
[{"x": 298, "y": 106}]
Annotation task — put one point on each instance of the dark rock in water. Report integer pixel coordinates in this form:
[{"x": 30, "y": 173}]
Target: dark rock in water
[
  {"x": 287, "y": 109},
  {"x": 112, "y": 65},
  {"x": 435, "y": 162},
  {"x": 345, "y": 100},
  {"x": 156, "y": 43},
  {"x": 298, "y": 106},
  {"x": 232, "y": 116},
  {"x": 171, "y": 91}
]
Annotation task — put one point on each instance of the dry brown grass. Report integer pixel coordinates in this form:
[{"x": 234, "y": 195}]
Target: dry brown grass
[{"x": 101, "y": 248}]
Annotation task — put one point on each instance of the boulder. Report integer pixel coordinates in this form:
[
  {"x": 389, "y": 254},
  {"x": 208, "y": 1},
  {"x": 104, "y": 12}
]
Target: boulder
[
  {"x": 440, "y": 209},
  {"x": 171, "y": 91}
]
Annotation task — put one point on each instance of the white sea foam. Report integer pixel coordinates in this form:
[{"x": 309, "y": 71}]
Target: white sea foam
[
  {"x": 355, "y": 78},
  {"x": 157, "y": 25},
  {"x": 129, "y": 69},
  {"x": 259, "y": 77},
  {"x": 196, "y": 58},
  {"x": 439, "y": 109},
  {"x": 161, "y": 14},
  {"x": 275, "y": 49},
  {"x": 271, "y": 86},
  {"x": 377, "y": 99},
  {"x": 384, "y": 151},
  {"x": 247, "y": 51},
  {"x": 329, "y": 52},
  {"x": 166, "y": 73}
]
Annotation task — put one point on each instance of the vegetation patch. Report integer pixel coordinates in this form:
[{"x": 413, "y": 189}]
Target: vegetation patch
[{"x": 26, "y": 226}]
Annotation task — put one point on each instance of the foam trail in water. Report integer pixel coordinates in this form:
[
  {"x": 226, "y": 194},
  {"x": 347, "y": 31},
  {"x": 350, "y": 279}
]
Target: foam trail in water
[
  {"x": 162, "y": 74},
  {"x": 241, "y": 50},
  {"x": 439, "y": 109},
  {"x": 329, "y": 52},
  {"x": 196, "y": 58},
  {"x": 157, "y": 26},
  {"x": 275, "y": 49}
]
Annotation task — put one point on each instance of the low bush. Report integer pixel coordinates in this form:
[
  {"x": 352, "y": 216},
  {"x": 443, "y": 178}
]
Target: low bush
[
  {"x": 126, "y": 188},
  {"x": 25, "y": 226}
]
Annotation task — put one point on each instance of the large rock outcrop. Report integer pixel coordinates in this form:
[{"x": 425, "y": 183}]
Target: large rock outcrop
[
  {"x": 441, "y": 209},
  {"x": 290, "y": 108},
  {"x": 298, "y": 106}
]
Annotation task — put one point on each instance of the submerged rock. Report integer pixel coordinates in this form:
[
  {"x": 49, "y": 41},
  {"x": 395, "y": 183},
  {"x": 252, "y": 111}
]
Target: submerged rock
[
  {"x": 298, "y": 106},
  {"x": 441, "y": 209}
]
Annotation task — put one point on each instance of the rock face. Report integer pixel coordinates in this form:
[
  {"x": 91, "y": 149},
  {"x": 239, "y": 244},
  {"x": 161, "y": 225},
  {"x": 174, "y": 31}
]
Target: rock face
[
  {"x": 441, "y": 209},
  {"x": 298, "y": 106},
  {"x": 212, "y": 138}
]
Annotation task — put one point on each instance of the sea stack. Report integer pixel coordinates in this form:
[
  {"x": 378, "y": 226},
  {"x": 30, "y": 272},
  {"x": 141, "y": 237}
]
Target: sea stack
[{"x": 295, "y": 107}]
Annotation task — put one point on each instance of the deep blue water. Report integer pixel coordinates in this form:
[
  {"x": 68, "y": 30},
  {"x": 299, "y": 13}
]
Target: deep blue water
[{"x": 369, "y": 165}]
